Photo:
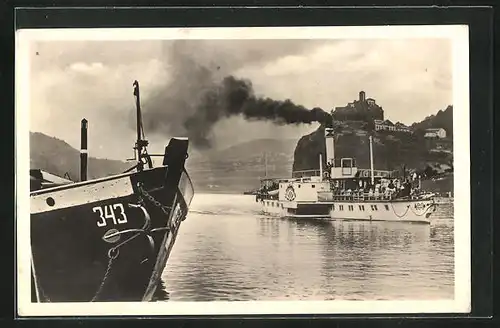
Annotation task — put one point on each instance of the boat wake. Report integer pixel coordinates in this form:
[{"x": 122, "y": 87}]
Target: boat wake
[{"x": 224, "y": 212}]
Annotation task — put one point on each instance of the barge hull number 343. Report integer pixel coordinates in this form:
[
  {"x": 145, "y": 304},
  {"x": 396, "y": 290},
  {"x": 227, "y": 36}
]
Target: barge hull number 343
[
  {"x": 109, "y": 239},
  {"x": 344, "y": 192}
]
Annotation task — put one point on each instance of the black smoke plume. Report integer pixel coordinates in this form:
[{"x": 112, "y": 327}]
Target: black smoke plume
[
  {"x": 236, "y": 97},
  {"x": 201, "y": 93},
  {"x": 233, "y": 97}
]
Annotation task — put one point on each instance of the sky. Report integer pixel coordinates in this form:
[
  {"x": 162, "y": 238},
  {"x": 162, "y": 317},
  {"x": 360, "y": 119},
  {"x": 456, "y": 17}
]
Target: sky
[{"x": 70, "y": 80}]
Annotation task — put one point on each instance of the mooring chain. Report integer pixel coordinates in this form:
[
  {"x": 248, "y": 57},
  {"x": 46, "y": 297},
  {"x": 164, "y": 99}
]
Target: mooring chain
[
  {"x": 146, "y": 229},
  {"x": 165, "y": 209},
  {"x": 115, "y": 250},
  {"x": 112, "y": 256}
]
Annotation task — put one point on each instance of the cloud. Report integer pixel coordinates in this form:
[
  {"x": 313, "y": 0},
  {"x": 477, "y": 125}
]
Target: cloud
[
  {"x": 410, "y": 79},
  {"x": 86, "y": 68},
  {"x": 62, "y": 96}
]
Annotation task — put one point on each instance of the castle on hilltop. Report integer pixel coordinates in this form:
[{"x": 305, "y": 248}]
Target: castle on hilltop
[
  {"x": 366, "y": 110},
  {"x": 362, "y": 109}
]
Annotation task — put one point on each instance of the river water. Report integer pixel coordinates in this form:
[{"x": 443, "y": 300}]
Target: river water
[{"x": 227, "y": 251}]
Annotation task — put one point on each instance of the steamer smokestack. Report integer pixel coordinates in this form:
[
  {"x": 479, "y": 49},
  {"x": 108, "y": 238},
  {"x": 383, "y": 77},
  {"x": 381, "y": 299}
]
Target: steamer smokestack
[{"x": 330, "y": 143}]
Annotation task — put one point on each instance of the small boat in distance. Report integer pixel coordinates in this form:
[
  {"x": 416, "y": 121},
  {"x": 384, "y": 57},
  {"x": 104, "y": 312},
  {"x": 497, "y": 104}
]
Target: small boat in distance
[
  {"x": 345, "y": 192},
  {"x": 108, "y": 239}
]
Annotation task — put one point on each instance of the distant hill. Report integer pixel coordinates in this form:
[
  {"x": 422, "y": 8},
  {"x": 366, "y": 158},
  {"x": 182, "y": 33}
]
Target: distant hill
[
  {"x": 57, "y": 157},
  {"x": 239, "y": 168},
  {"x": 277, "y": 150}
]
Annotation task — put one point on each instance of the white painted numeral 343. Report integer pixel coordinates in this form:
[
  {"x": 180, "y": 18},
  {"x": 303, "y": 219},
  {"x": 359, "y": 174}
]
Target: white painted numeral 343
[{"x": 108, "y": 212}]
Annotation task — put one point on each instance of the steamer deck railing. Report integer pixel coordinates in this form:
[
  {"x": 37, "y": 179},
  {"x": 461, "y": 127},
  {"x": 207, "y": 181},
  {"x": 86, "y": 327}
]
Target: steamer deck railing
[
  {"x": 361, "y": 173},
  {"x": 357, "y": 197}
]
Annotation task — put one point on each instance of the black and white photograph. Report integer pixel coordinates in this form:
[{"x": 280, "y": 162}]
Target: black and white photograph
[{"x": 269, "y": 170}]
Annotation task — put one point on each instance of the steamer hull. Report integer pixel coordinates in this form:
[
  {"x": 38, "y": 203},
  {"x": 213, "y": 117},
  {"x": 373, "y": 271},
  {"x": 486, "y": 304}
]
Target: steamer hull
[
  {"x": 416, "y": 211},
  {"x": 278, "y": 208}
]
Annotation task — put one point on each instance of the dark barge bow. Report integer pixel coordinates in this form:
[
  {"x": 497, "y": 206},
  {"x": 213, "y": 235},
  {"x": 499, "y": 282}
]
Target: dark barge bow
[{"x": 109, "y": 239}]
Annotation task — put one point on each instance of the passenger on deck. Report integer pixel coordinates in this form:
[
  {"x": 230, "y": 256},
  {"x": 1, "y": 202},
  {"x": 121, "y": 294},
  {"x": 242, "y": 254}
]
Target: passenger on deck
[
  {"x": 407, "y": 188},
  {"x": 387, "y": 192},
  {"x": 391, "y": 188}
]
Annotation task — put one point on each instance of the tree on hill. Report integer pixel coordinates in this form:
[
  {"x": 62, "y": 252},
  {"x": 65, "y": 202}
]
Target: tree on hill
[{"x": 443, "y": 119}]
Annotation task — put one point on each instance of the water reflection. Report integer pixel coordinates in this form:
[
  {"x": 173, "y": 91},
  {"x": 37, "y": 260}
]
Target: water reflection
[
  {"x": 160, "y": 294},
  {"x": 249, "y": 257}
]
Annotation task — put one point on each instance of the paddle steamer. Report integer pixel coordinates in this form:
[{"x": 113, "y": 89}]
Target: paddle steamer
[{"x": 342, "y": 191}]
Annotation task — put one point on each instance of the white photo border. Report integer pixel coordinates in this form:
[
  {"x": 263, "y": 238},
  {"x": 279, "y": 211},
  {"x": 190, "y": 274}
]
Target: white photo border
[{"x": 458, "y": 34}]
